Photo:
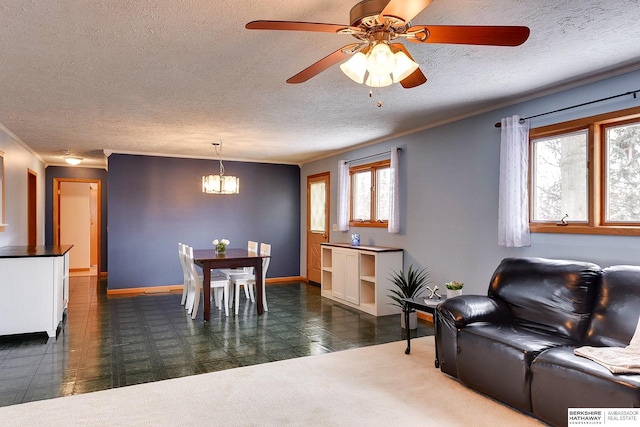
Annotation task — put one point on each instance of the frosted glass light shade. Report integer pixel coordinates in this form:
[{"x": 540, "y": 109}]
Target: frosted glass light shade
[
  {"x": 220, "y": 184},
  {"x": 72, "y": 160},
  {"x": 356, "y": 67},
  {"x": 404, "y": 67},
  {"x": 381, "y": 60},
  {"x": 378, "y": 81}
]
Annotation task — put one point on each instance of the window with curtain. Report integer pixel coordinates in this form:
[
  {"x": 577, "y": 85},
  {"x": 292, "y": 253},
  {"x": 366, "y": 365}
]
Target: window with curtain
[
  {"x": 585, "y": 175},
  {"x": 370, "y": 194}
]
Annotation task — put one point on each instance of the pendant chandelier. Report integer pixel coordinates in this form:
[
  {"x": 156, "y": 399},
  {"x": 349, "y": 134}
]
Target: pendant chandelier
[{"x": 221, "y": 183}]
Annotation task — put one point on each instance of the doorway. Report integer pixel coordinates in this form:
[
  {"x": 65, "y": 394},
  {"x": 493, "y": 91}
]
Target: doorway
[
  {"x": 317, "y": 222},
  {"x": 32, "y": 208},
  {"x": 76, "y": 221}
]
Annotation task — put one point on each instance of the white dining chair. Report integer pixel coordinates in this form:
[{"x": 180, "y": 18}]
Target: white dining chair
[
  {"x": 182, "y": 255},
  {"x": 249, "y": 280},
  {"x": 252, "y": 247},
  {"x": 188, "y": 286},
  {"x": 220, "y": 287}
]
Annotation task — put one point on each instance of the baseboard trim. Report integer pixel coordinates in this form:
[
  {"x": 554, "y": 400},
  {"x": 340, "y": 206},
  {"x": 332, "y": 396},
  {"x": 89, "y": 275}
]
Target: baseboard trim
[
  {"x": 279, "y": 280},
  {"x": 172, "y": 288},
  {"x": 145, "y": 290},
  {"x": 425, "y": 316},
  {"x": 76, "y": 270}
]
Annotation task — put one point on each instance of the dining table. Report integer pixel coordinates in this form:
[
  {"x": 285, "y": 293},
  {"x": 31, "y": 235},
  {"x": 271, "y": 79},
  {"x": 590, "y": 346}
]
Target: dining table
[{"x": 209, "y": 259}]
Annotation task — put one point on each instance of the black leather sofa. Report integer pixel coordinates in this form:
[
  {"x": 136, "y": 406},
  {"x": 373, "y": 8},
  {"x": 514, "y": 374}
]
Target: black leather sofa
[{"x": 516, "y": 344}]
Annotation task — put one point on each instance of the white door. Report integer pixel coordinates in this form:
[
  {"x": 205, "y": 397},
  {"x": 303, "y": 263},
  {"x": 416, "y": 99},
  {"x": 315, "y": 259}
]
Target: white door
[{"x": 75, "y": 223}]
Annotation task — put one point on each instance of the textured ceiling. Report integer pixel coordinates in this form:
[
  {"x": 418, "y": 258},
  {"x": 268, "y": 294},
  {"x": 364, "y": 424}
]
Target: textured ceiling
[{"x": 169, "y": 77}]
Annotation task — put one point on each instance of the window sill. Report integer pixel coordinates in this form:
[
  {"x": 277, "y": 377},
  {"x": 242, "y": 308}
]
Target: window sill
[
  {"x": 585, "y": 229},
  {"x": 368, "y": 224}
]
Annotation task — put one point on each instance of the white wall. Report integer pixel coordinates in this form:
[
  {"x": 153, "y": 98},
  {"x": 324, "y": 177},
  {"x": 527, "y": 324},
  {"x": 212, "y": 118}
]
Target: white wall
[
  {"x": 449, "y": 195},
  {"x": 17, "y": 160}
]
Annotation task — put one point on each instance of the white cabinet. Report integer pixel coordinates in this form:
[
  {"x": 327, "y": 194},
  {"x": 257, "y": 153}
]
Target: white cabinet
[
  {"x": 359, "y": 276},
  {"x": 345, "y": 275},
  {"x": 34, "y": 288}
]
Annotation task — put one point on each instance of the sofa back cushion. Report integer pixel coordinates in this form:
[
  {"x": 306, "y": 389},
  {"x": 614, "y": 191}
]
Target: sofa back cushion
[
  {"x": 554, "y": 296},
  {"x": 617, "y": 308}
]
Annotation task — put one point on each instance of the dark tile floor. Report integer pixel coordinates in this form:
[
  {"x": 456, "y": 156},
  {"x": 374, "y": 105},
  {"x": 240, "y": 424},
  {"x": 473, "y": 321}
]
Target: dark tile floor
[{"x": 108, "y": 342}]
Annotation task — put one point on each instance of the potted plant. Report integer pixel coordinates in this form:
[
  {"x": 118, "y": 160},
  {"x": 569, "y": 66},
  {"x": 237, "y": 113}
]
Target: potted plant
[
  {"x": 454, "y": 289},
  {"x": 411, "y": 285}
]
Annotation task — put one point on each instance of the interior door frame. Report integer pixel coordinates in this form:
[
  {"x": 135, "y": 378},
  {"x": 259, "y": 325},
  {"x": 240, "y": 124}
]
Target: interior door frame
[
  {"x": 32, "y": 207},
  {"x": 56, "y": 213},
  {"x": 326, "y": 176}
]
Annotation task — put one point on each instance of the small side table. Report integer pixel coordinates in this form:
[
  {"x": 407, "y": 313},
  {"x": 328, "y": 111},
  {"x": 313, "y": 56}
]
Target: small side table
[{"x": 421, "y": 304}]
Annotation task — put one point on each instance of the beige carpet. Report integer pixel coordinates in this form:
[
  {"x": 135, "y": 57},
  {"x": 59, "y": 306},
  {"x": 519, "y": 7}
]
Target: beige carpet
[{"x": 370, "y": 386}]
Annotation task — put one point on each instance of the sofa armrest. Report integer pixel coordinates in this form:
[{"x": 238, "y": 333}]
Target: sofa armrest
[
  {"x": 466, "y": 309},
  {"x": 454, "y": 314}
]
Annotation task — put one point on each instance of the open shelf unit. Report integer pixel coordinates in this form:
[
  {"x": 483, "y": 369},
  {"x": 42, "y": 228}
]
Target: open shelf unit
[{"x": 359, "y": 276}]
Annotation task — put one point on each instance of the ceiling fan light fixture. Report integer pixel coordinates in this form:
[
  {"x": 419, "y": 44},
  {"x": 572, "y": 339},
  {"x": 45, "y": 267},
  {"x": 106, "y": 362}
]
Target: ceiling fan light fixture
[
  {"x": 356, "y": 67},
  {"x": 378, "y": 81},
  {"x": 381, "y": 60},
  {"x": 404, "y": 67},
  {"x": 73, "y": 160}
]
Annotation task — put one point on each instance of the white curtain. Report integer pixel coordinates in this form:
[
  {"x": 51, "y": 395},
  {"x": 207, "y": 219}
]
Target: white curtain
[
  {"x": 513, "y": 207},
  {"x": 394, "y": 195},
  {"x": 343, "y": 195}
]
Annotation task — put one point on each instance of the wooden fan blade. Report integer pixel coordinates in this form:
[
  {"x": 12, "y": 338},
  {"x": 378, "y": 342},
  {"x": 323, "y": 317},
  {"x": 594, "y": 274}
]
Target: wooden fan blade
[
  {"x": 326, "y": 62},
  {"x": 404, "y": 10},
  {"x": 475, "y": 35},
  {"x": 295, "y": 26},
  {"x": 414, "y": 79}
]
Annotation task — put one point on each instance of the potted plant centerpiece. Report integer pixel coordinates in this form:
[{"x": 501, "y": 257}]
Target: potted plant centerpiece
[
  {"x": 221, "y": 245},
  {"x": 411, "y": 285},
  {"x": 454, "y": 289}
]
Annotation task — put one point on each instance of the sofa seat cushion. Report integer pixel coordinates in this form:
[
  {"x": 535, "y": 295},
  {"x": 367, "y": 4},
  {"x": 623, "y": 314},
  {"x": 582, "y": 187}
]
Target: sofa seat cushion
[
  {"x": 562, "y": 380},
  {"x": 496, "y": 359}
]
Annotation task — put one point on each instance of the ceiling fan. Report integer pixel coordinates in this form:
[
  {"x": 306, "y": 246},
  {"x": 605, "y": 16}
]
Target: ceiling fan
[{"x": 376, "y": 23}]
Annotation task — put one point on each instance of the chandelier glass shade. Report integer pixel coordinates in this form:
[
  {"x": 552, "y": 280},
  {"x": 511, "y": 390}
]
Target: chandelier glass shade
[
  {"x": 356, "y": 67},
  {"x": 404, "y": 67},
  {"x": 220, "y": 184},
  {"x": 380, "y": 60},
  {"x": 378, "y": 81},
  {"x": 380, "y": 65}
]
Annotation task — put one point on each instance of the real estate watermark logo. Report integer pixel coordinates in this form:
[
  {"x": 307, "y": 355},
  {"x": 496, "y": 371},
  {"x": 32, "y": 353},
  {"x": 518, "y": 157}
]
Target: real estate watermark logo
[{"x": 603, "y": 416}]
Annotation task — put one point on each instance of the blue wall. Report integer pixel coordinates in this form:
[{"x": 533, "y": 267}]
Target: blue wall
[
  {"x": 77, "y": 173},
  {"x": 156, "y": 202},
  {"x": 449, "y": 192}
]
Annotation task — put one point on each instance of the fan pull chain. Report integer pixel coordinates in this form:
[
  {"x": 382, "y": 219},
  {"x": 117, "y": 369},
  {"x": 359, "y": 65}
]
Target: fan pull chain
[{"x": 379, "y": 103}]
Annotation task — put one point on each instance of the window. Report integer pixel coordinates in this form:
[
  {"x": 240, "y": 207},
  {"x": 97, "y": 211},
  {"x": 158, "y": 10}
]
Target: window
[
  {"x": 560, "y": 171},
  {"x": 370, "y": 185},
  {"x": 585, "y": 175}
]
